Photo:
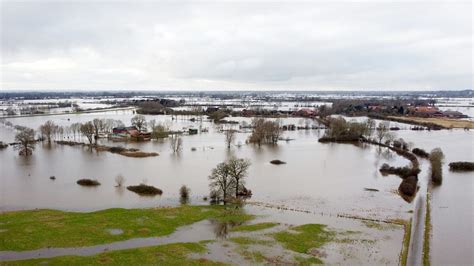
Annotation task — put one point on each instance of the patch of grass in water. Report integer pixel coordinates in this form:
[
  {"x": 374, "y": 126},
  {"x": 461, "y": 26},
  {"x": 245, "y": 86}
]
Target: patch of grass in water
[
  {"x": 34, "y": 229},
  {"x": 306, "y": 237},
  {"x": 172, "y": 254},
  {"x": 253, "y": 256},
  {"x": 254, "y": 227}
]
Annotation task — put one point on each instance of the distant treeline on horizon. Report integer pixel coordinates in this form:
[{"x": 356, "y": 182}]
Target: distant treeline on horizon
[{"x": 33, "y": 94}]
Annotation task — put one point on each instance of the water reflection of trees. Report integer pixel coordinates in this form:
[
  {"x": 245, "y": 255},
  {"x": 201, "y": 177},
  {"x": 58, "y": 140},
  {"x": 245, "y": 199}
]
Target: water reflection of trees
[{"x": 222, "y": 228}]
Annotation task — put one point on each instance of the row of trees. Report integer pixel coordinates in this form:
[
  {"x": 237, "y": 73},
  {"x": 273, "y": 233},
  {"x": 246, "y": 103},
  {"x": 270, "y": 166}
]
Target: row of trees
[
  {"x": 340, "y": 129},
  {"x": 265, "y": 131}
]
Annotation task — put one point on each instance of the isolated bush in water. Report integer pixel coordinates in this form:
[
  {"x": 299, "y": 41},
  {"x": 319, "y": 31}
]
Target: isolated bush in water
[
  {"x": 119, "y": 180},
  {"x": 145, "y": 190},
  {"x": 420, "y": 152},
  {"x": 277, "y": 162},
  {"x": 184, "y": 193},
  {"x": 88, "y": 182},
  {"x": 436, "y": 160},
  {"x": 176, "y": 143},
  {"x": 461, "y": 166}
]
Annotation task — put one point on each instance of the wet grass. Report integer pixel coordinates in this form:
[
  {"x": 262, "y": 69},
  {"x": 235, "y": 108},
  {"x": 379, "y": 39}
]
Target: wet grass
[
  {"x": 172, "y": 254},
  {"x": 253, "y": 256},
  {"x": 406, "y": 243},
  {"x": 427, "y": 234},
  {"x": 254, "y": 227},
  {"x": 304, "y": 237},
  {"x": 29, "y": 230}
]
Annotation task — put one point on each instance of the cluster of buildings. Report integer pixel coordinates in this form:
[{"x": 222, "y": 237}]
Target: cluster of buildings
[
  {"x": 129, "y": 133},
  {"x": 432, "y": 111}
]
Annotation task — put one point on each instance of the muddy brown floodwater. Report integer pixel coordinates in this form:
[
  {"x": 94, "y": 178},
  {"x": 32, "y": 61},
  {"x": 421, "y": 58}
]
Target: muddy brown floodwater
[{"x": 325, "y": 179}]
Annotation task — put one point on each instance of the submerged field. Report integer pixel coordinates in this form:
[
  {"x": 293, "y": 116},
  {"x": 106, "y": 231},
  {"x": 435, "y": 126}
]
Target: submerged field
[
  {"x": 182, "y": 235},
  {"x": 310, "y": 210}
]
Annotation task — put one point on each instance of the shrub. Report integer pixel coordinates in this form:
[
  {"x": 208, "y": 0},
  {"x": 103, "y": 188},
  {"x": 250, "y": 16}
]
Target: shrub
[
  {"x": 461, "y": 166},
  {"x": 145, "y": 190},
  {"x": 403, "y": 172},
  {"x": 117, "y": 149},
  {"x": 138, "y": 154},
  {"x": 120, "y": 180},
  {"x": 421, "y": 153},
  {"x": 184, "y": 192},
  {"x": 88, "y": 182},
  {"x": 3, "y": 145},
  {"x": 436, "y": 160},
  {"x": 277, "y": 162},
  {"x": 408, "y": 186}
]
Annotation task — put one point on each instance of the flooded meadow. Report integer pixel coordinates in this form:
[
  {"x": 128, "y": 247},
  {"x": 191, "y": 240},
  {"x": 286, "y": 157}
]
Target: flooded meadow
[{"x": 335, "y": 184}]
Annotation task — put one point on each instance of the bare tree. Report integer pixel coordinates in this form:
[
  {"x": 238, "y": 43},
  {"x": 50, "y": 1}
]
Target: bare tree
[
  {"x": 184, "y": 193},
  {"x": 238, "y": 170},
  {"x": 176, "y": 143},
  {"x": 75, "y": 128},
  {"x": 229, "y": 137},
  {"x": 48, "y": 129},
  {"x": 87, "y": 129},
  {"x": 264, "y": 131},
  {"x": 120, "y": 180},
  {"x": 26, "y": 139},
  {"x": 382, "y": 131},
  {"x": 139, "y": 121},
  {"x": 222, "y": 183},
  {"x": 158, "y": 130},
  {"x": 98, "y": 127}
]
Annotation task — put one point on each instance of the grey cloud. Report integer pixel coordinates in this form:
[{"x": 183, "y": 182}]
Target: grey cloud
[{"x": 324, "y": 45}]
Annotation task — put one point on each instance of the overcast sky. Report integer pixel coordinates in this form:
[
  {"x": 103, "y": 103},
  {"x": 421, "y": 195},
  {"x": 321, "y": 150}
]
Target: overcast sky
[{"x": 248, "y": 46}]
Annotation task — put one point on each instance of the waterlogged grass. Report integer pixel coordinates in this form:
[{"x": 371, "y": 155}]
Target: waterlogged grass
[
  {"x": 305, "y": 237},
  {"x": 172, "y": 254},
  {"x": 253, "y": 256},
  {"x": 406, "y": 243},
  {"x": 427, "y": 234},
  {"x": 28, "y": 230},
  {"x": 254, "y": 227}
]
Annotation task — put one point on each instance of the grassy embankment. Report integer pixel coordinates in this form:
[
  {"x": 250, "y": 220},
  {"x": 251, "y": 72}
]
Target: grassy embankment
[
  {"x": 406, "y": 243},
  {"x": 29, "y": 230},
  {"x": 443, "y": 122},
  {"x": 427, "y": 233}
]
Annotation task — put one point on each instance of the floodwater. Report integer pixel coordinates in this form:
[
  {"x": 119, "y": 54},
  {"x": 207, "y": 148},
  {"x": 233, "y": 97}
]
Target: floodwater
[{"x": 323, "y": 179}]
